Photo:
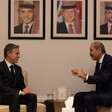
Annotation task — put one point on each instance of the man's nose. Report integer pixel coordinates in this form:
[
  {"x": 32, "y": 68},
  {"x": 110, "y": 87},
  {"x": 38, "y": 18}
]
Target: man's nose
[
  {"x": 26, "y": 14},
  {"x": 89, "y": 53}
]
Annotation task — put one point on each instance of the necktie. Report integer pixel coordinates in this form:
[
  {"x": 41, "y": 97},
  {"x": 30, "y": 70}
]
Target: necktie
[
  {"x": 12, "y": 73},
  {"x": 71, "y": 29},
  {"x": 110, "y": 30},
  {"x": 26, "y": 29},
  {"x": 98, "y": 68}
]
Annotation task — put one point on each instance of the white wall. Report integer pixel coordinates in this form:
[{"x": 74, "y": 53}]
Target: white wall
[{"x": 49, "y": 62}]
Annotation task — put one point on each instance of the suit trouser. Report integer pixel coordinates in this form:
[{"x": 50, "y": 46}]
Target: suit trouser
[
  {"x": 87, "y": 101},
  {"x": 14, "y": 101}
]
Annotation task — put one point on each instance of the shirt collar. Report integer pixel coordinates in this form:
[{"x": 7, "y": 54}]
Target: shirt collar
[
  {"x": 30, "y": 24},
  {"x": 67, "y": 23},
  {"x": 8, "y": 64},
  {"x": 101, "y": 59},
  {"x": 109, "y": 24}
]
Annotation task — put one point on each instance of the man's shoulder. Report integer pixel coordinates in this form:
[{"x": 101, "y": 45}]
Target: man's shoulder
[
  {"x": 18, "y": 29},
  {"x": 62, "y": 23},
  {"x": 104, "y": 29},
  {"x": 108, "y": 58},
  {"x": 2, "y": 63},
  {"x": 103, "y": 25},
  {"x": 18, "y": 26},
  {"x": 17, "y": 66},
  {"x": 61, "y": 27}
]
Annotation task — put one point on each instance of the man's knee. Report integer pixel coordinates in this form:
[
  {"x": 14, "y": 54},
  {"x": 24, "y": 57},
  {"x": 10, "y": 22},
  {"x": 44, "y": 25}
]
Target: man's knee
[
  {"x": 88, "y": 99},
  {"x": 15, "y": 97},
  {"x": 33, "y": 97},
  {"x": 78, "y": 95},
  {"x": 77, "y": 98}
]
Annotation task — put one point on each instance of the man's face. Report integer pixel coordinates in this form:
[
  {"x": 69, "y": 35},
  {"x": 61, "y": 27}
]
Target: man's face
[
  {"x": 27, "y": 15},
  {"x": 69, "y": 15},
  {"x": 13, "y": 56},
  {"x": 109, "y": 15},
  {"x": 95, "y": 53}
]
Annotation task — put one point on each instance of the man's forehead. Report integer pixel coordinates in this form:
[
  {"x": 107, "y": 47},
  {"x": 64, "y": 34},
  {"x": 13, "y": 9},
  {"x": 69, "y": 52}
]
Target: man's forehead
[
  {"x": 69, "y": 9},
  {"x": 92, "y": 46},
  {"x": 26, "y": 9}
]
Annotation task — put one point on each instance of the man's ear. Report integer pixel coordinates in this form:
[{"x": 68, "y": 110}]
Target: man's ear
[
  {"x": 99, "y": 49},
  {"x": 9, "y": 53}
]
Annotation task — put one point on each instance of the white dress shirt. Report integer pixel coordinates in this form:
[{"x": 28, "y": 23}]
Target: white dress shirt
[
  {"x": 100, "y": 61},
  {"x": 30, "y": 25}
]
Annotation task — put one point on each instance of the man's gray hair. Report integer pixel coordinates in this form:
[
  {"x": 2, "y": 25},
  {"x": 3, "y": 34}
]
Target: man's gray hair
[
  {"x": 100, "y": 45},
  {"x": 9, "y": 48}
]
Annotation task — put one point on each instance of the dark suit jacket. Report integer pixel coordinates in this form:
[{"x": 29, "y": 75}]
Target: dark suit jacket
[
  {"x": 6, "y": 85},
  {"x": 61, "y": 28},
  {"x": 103, "y": 80},
  {"x": 19, "y": 29},
  {"x": 104, "y": 29}
]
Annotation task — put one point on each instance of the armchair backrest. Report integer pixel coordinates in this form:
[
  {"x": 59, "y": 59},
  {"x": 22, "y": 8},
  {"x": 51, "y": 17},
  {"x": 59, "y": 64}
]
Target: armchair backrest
[{"x": 25, "y": 77}]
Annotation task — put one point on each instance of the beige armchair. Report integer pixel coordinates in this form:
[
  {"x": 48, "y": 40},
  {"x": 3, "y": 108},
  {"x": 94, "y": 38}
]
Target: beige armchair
[
  {"x": 104, "y": 109},
  {"x": 40, "y": 107}
]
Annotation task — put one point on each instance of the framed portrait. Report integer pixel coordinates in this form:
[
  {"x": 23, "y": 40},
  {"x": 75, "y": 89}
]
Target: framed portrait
[
  {"x": 102, "y": 19},
  {"x": 26, "y": 19},
  {"x": 69, "y": 19}
]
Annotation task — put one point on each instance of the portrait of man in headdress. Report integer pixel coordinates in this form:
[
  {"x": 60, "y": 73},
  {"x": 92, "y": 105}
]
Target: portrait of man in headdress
[
  {"x": 71, "y": 23},
  {"x": 28, "y": 20},
  {"x": 106, "y": 27}
]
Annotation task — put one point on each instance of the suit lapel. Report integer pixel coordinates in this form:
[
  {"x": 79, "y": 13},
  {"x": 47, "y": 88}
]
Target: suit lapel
[
  {"x": 30, "y": 29},
  {"x": 8, "y": 73},
  {"x": 104, "y": 60},
  {"x": 65, "y": 28},
  {"x": 6, "y": 69},
  {"x": 97, "y": 69},
  {"x": 106, "y": 29}
]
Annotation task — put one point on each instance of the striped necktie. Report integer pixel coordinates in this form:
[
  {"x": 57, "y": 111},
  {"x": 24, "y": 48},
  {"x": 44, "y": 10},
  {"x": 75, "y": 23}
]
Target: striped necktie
[
  {"x": 26, "y": 29},
  {"x": 71, "y": 29},
  {"x": 110, "y": 30}
]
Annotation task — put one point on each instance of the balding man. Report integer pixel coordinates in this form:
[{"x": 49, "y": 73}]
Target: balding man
[{"x": 102, "y": 78}]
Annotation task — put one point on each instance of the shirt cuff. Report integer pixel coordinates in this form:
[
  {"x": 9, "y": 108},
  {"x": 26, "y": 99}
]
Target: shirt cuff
[
  {"x": 19, "y": 92},
  {"x": 87, "y": 77}
]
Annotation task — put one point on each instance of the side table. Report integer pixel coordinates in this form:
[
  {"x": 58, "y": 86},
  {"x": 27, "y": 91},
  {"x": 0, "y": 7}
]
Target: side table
[{"x": 54, "y": 105}]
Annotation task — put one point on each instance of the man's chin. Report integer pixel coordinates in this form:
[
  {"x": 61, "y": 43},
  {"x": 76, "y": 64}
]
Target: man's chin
[
  {"x": 93, "y": 58},
  {"x": 27, "y": 21},
  {"x": 16, "y": 61}
]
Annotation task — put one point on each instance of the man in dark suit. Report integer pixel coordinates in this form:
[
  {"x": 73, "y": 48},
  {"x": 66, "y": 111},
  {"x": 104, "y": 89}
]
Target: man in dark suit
[
  {"x": 107, "y": 27},
  {"x": 28, "y": 18},
  {"x": 102, "y": 78},
  {"x": 70, "y": 24},
  {"x": 13, "y": 91}
]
